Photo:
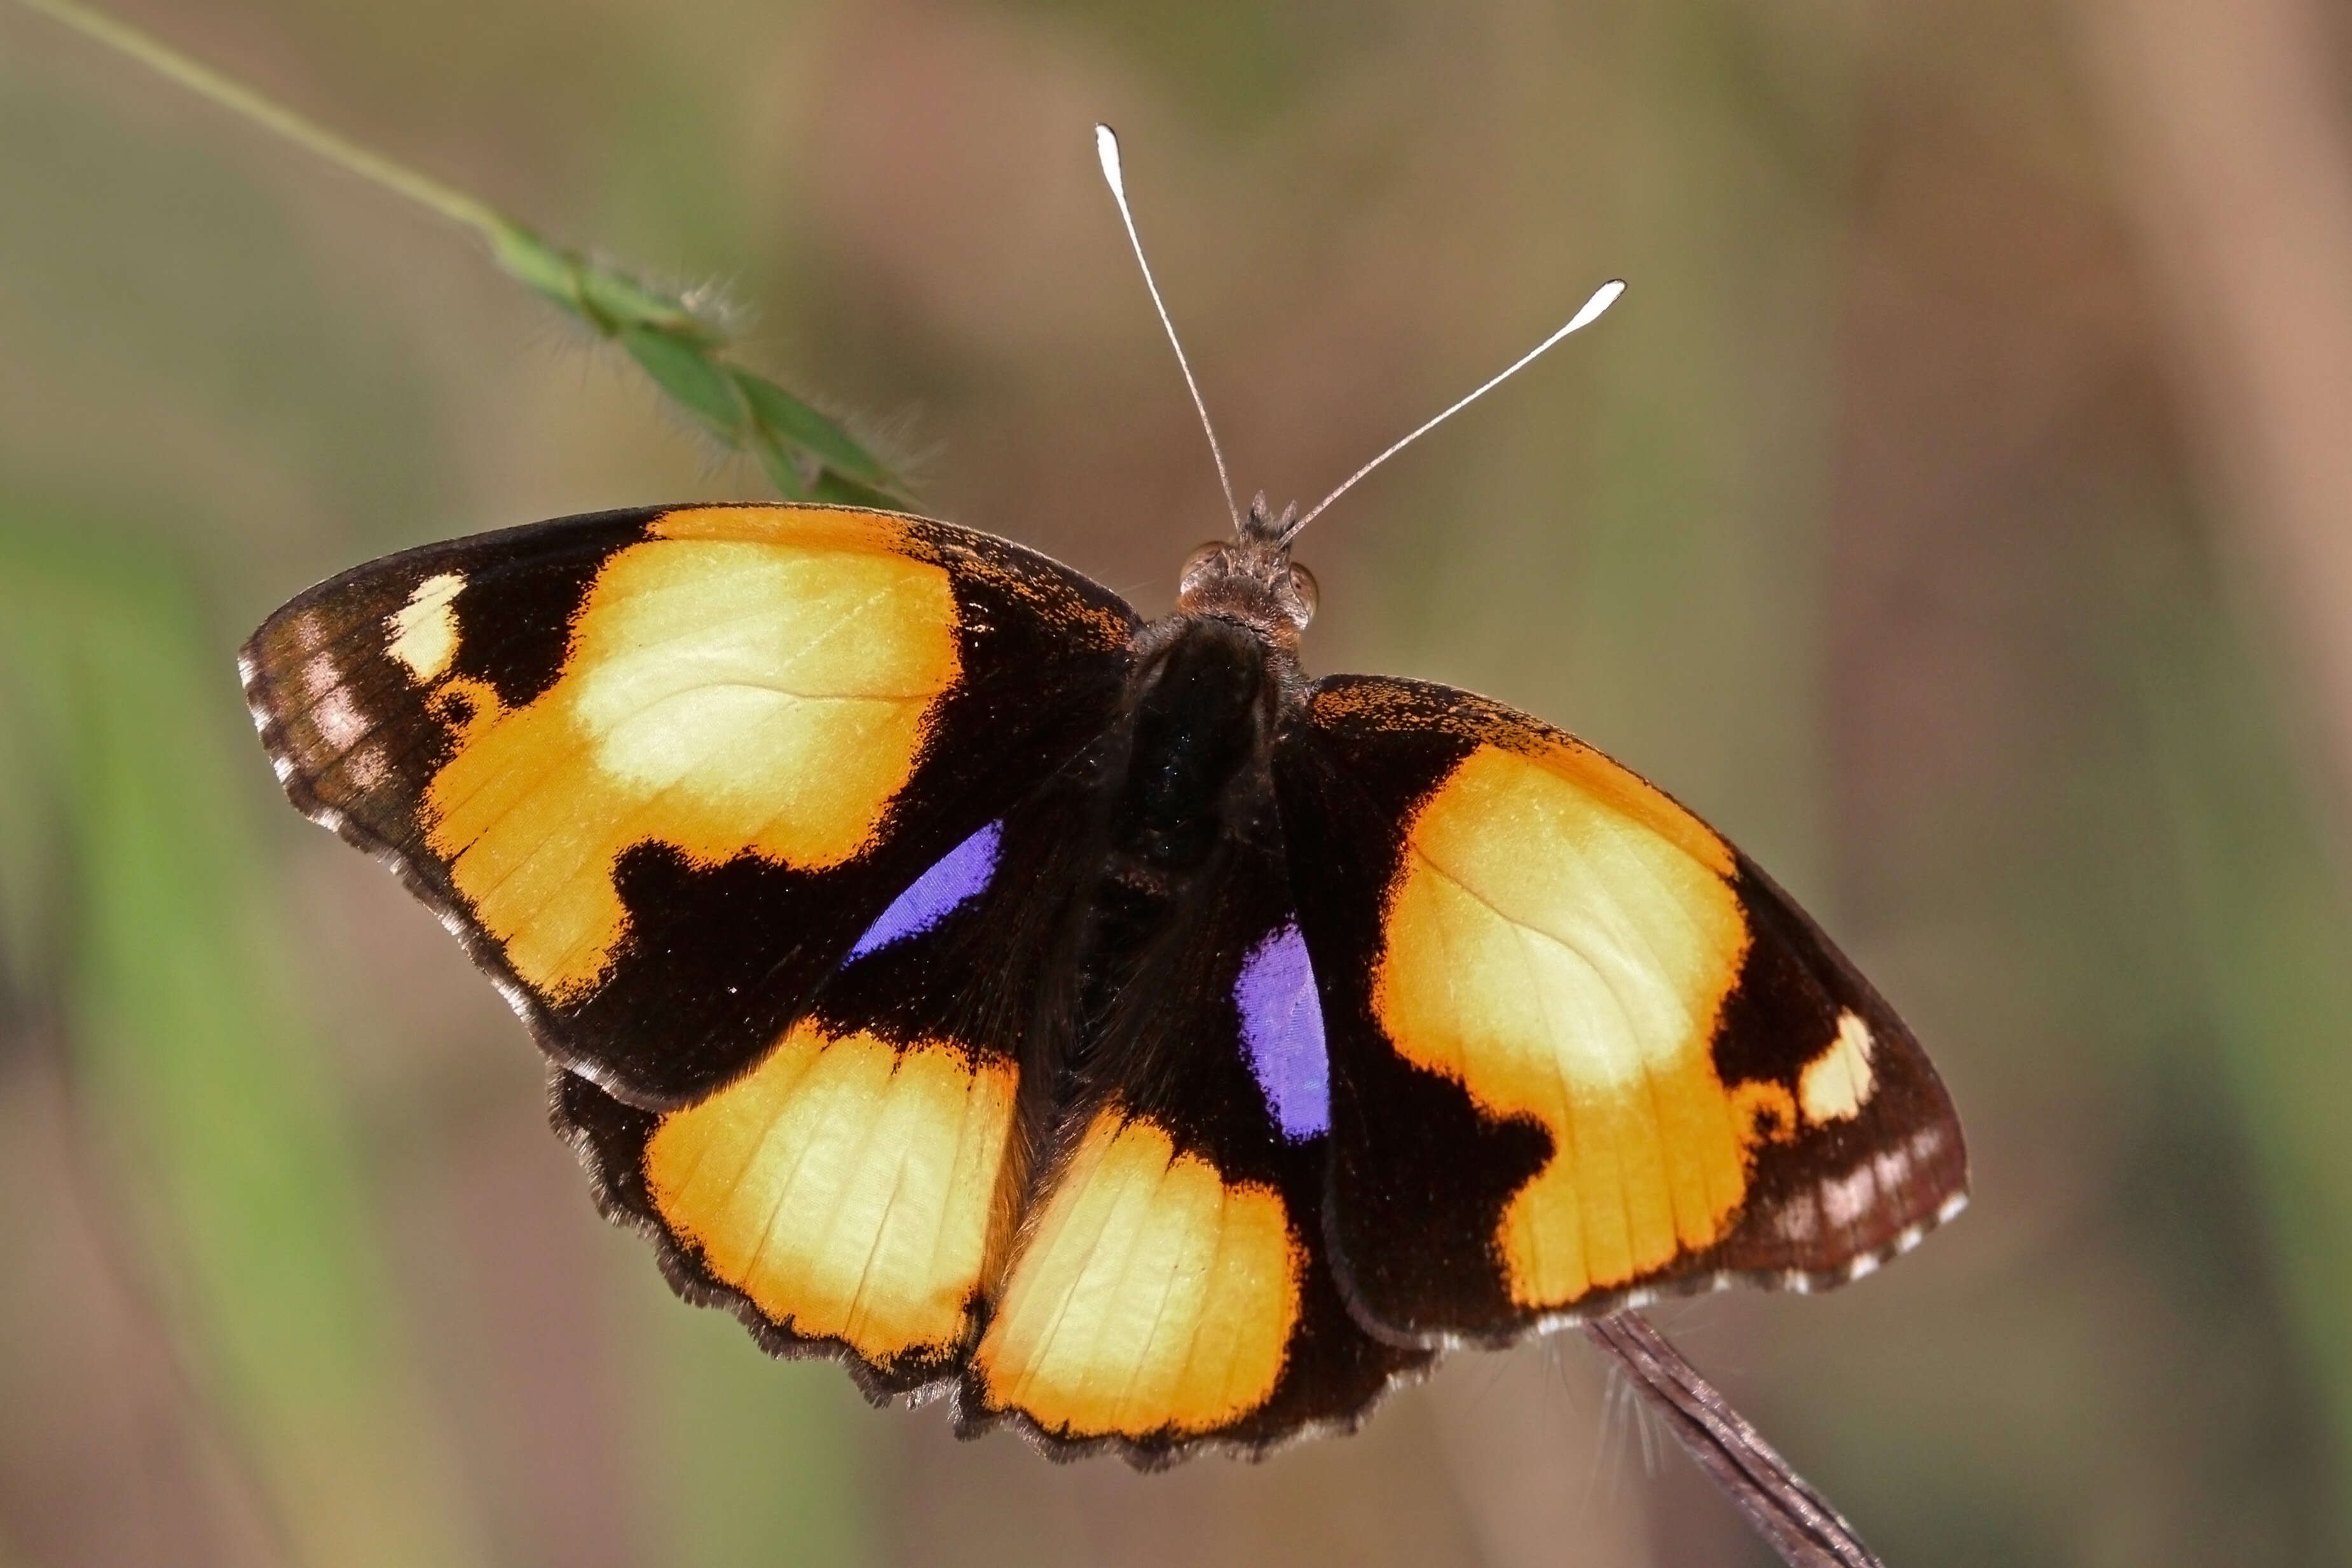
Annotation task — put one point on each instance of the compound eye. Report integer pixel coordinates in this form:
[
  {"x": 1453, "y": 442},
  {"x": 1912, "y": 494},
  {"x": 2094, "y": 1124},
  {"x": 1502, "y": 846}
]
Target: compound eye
[
  {"x": 1302, "y": 583},
  {"x": 1199, "y": 557}
]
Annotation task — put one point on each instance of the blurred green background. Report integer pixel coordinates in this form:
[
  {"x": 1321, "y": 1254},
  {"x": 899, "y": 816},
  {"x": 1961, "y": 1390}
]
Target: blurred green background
[{"x": 1957, "y": 511}]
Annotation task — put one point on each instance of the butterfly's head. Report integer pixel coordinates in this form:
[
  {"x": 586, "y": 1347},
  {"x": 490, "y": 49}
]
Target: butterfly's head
[{"x": 1252, "y": 579}]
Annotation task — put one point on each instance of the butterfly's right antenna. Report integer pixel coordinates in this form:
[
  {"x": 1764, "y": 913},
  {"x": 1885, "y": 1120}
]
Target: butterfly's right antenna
[
  {"x": 1603, "y": 297},
  {"x": 1107, "y": 148}
]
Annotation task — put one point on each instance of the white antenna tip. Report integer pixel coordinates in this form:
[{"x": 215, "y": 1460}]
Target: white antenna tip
[
  {"x": 1603, "y": 297},
  {"x": 1107, "y": 150}
]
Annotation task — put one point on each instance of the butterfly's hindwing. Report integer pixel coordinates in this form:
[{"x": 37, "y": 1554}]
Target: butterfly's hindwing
[
  {"x": 851, "y": 1192},
  {"x": 1170, "y": 1288},
  {"x": 662, "y": 769},
  {"x": 1581, "y": 1051}
]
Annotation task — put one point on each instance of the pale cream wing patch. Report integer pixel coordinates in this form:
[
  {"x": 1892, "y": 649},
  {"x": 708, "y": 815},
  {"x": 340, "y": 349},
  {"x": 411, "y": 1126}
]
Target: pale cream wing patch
[
  {"x": 1151, "y": 1297},
  {"x": 1835, "y": 1085},
  {"x": 721, "y": 696},
  {"x": 1559, "y": 940},
  {"x": 844, "y": 1186},
  {"x": 423, "y": 632}
]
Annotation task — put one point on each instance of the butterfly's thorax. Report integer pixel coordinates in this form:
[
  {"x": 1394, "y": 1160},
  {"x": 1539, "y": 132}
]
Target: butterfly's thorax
[
  {"x": 1188, "y": 769},
  {"x": 1189, "y": 777}
]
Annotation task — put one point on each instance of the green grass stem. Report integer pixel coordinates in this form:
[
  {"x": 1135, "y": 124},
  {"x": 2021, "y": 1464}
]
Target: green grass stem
[{"x": 684, "y": 351}]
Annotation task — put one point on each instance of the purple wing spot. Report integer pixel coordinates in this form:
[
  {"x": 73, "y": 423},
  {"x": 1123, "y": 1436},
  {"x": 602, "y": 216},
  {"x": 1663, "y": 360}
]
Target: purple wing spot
[
  {"x": 1282, "y": 1027},
  {"x": 955, "y": 879}
]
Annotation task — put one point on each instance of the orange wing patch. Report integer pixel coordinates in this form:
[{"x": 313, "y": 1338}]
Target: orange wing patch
[
  {"x": 724, "y": 696},
  {"x": 1559, "y": 940},
  {"x": 1152, "y": 1297},
  {"x": 845, "y": 1186}
]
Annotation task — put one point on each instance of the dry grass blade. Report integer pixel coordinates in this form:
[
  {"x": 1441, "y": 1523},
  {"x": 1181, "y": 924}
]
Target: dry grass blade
[
  {"x": 683, "y": 350},
  {"x": 1783, "y": 1508}
]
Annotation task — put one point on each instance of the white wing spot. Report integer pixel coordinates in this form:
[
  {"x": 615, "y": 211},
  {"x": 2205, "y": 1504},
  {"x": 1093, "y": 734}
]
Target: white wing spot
[
  {"x": 340, "y": 724},
  {"x": 316, "y": 676},
  {"x": 1800, "y": 1220},
  {"x": 367, "y": 769},
  {"x": 1847, "y": 1199}
]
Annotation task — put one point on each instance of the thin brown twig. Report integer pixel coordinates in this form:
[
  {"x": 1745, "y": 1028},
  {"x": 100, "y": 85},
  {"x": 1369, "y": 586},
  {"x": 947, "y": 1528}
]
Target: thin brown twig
[{"x": 1783, "y": 1508}]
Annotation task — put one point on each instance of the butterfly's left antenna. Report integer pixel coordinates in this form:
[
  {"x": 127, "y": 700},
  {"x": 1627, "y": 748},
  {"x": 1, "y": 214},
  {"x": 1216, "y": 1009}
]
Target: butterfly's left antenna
[
  {"x": 1107, "y": 148},
  {"x": 1603, "y": 297}
]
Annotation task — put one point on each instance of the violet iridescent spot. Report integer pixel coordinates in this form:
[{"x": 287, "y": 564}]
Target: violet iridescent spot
[
  {"x": 957, "y": 878},
  {"x": 1282, "y": 1025}
]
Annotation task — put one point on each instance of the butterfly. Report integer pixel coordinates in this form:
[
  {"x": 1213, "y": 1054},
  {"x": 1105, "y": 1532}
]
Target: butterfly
[{"x": 1105, "y": 1025}]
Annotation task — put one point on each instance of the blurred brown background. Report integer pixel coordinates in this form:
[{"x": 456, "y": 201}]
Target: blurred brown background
[{"x": 1957, "y": 510}]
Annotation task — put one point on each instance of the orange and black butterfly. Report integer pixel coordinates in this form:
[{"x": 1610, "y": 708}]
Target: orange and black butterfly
[{"x": 1105, "y": 1024}]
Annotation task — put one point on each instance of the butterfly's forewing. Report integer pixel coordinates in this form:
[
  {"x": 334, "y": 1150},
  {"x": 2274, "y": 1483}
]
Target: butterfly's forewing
[
  {"x": 1582, "y": 1051},
  {"x": 661, "y": 769},
  {"x": 1170, "y": 1288}
]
